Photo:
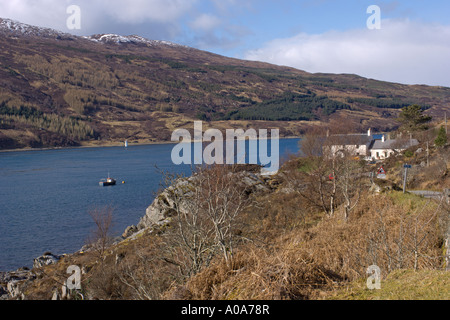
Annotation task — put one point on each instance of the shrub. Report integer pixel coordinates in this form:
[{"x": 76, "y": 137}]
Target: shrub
[
  {"x": 408, "y": 154},
  {"x": 441, "y": 139}
]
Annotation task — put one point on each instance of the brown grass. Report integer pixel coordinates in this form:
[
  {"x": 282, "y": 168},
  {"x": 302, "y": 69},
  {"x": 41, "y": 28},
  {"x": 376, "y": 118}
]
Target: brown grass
[{"x": 306, "y": 263}]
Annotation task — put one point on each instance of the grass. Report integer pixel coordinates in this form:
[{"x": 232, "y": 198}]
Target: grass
[
  {"x": 407, "y": 198},
  {"x": 411, "y": 202},
  {"x": 401, "y": 285}
]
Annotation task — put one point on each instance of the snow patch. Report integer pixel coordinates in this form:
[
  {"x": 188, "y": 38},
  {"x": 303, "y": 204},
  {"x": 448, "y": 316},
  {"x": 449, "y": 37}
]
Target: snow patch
[
  {"x": 118, "y": 39},
  {"x": 18, "y": 28},
  {"x": 15, "y": 28}
]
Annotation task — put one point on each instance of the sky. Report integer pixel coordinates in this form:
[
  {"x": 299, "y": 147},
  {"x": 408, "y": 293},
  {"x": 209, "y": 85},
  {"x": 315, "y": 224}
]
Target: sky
[{"x": 405, "y": 41}]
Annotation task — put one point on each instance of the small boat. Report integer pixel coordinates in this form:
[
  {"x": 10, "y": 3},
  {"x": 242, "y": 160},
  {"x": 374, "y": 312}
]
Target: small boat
[
  {"x": 107, "y": 182},
  {"x": 126, "y": 143}
]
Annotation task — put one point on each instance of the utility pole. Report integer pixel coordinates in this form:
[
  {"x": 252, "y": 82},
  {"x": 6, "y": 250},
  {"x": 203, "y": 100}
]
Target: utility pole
[
  {"x": 404, "y": 180},
  {"x": 446, "y": 129},
  {"x": 406, "y": 166}
]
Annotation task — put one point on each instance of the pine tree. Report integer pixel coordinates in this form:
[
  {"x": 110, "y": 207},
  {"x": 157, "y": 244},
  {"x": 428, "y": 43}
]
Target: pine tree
[
  {"x": 441, "y": 139},
  {"x": 413, "y": 119}
]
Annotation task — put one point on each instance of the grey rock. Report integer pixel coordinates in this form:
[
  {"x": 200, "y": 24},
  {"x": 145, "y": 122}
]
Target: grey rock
[
  {"x": 375, "y": 188},
  {"x": 45, "y": 260},
  {"x": 3, "y": 293},
  {"x": 12, "y": 283},
  {"x": 162, "y": 209},
  {"x": 129, "y": 231},
  {"x": 56, "y": 295},
  {"x": 64, "y": 293},
  {"x": 14, "y": 288}
]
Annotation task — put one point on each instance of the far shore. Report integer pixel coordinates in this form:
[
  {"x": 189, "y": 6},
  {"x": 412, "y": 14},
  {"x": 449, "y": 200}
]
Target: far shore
[
  {"x": 108, "y": 144},
  {"x": 90, "y": 145}
]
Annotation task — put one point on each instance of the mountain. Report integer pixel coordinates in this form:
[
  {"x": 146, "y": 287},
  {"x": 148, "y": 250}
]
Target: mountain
[
  {"x": 10, "y": 28},
  {"x": 57, "y": 90}
]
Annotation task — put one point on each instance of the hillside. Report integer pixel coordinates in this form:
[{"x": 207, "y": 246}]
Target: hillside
[
  {"x": 282, "y": 245},
  {"x": 59, "y": 90}
]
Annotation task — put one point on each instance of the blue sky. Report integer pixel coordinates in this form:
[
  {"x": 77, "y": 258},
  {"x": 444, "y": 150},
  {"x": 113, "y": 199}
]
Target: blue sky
[
  {"x": 260, "y": 21},
  {"x": 412, "y": 46}
]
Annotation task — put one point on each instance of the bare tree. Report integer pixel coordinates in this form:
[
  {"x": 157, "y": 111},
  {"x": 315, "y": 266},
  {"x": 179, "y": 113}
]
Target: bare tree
[
  {"x": 206, "y": 208},
  {"x": 341, "y": 172},
  {"x": 312, "y": 177},
  {"x": 224, "y": 199},
  {"x": 101, "y": 237},
  {"x": 349, "y": 179},
  {"x": 330, "y": 172},
  {"x": 397, "y": 239},
  {"x": 420, "y": 234},
  {"x": 189, "y": 243}
]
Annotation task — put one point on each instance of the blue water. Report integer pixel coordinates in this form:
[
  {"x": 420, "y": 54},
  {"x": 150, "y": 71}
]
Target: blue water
[{"x": 46, "y": 196}]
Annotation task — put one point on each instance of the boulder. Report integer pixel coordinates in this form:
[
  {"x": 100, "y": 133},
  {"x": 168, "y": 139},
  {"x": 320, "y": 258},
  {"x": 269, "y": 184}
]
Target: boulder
[
  {"x": 129, "y": 231},
  {"x": 56, "y": 295},
  {"x": 45, "y": 260},
  {"x": 252, "y": 182},
  {"x": 3, "y": 293},
  {"x": 13, "y": 283},
  {"x": 13, "y": 288},
  {"x": 375, "y": 188}
]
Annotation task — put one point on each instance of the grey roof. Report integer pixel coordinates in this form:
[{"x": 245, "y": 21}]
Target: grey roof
[
  {"x": 394, "y": 144},
  {"x": 349, "y": 139}
]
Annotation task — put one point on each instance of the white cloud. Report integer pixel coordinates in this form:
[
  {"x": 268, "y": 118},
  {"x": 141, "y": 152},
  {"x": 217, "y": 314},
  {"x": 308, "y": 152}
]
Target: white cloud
[
  {"x": 206, "y": 22},
  {"x": 52, "y": 13},
  {"x": 46, "y": 13},
  {"x": 402, "y": 51},
  {"x": 138, "y": 11}
]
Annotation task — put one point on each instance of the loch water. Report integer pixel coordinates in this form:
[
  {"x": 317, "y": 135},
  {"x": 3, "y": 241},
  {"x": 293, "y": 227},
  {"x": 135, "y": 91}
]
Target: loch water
[{"x": 46, "y": 196}]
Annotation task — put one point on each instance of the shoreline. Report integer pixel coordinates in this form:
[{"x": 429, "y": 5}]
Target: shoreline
[
  {"x": 106, "y": 145},
  {"x": 87, "y": 146}
]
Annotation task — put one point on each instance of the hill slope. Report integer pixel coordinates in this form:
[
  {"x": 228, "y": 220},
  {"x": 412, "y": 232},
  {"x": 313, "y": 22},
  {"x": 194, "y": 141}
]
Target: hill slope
[{"x": 58, "y": 89}]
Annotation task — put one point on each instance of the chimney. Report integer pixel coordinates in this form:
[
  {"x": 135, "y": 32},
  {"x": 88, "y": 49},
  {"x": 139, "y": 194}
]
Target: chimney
[
  {"x": 383, "y": 138},
  {"x": 369, "y": 133}
]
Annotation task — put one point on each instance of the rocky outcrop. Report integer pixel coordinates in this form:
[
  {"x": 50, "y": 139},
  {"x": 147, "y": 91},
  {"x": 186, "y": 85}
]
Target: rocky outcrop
[
  {"x": 45, "y": 260},
  {"x": 162, "y": 209},
  {"x": 12, "y": 283}
]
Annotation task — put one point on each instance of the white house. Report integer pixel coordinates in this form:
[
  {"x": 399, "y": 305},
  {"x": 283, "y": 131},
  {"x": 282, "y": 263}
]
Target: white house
[
  {"x": 368, "y": 146},
  {"x": 384, "y": 148},
  {"x": 354, "y": 144}
]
